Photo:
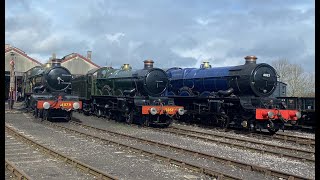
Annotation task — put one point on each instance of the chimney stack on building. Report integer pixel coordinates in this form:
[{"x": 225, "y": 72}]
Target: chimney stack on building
[
  {"x": 53, "y": 55},
  {"x": 89, "y": 55}
]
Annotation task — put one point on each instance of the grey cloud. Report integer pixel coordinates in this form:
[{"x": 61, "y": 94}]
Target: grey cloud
[
  {"x": 118, "y": 54},
  {"x": 233, "y": 30},
  {"x": 16, "y": 6},
  {"x": 183, "y": 41},
  {"x": 163, "y": 56},
  {"x": 273, "y": 46}
]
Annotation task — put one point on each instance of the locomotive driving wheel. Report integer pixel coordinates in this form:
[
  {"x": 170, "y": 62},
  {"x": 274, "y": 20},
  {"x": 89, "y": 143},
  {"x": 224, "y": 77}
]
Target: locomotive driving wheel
[{"x": 106, "y": 90}]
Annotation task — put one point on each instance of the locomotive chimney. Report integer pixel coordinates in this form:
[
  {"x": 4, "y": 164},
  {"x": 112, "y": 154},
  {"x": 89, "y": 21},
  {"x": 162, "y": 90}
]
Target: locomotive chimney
[
  {"x": 148, "y": 64},
  {"x": 89, "y": 55},
  {"x": 250, "y": 59},
  {"x": 56, "y": 62}
]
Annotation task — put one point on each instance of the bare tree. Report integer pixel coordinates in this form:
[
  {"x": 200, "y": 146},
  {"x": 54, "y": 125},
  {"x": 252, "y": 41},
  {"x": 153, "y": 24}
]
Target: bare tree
[
  {"x": 299, "y": 83},
  {"x": 310, "y": 90},
  {"x": 282, "y": 68},
  {"x": 295, "y": 80}
]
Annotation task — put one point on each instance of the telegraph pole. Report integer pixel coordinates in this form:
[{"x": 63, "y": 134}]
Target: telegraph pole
[{"x": 12, "y": 83}]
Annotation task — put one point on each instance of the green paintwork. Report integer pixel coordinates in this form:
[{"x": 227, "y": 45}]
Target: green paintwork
[
  {"x": 29, "y": 79},
  {"x": 103, "y": 81}
]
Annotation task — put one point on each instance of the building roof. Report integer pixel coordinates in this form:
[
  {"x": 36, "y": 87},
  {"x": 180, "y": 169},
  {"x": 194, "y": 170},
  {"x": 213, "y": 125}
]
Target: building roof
[
  {"x": 22, "y": 53},
  {"x": 74, "y": 55}
]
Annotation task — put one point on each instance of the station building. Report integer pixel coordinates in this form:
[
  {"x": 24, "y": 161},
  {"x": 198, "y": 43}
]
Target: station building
[
  {"x": 22, "y": 63},
  {"x": 76, "y": 63}
]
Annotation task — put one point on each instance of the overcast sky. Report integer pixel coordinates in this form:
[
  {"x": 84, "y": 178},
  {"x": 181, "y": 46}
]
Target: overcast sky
[{"x": 171, "y": 32}]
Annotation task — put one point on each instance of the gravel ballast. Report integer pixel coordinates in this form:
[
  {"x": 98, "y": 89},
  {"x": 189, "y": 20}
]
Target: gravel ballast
[
  {"x": 38, "y": 165},
  {"x": 304, "y": 169},
  {"x": 117, "y": 161}
]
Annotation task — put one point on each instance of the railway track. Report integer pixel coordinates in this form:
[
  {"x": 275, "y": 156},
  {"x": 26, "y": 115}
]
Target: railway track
[
  {"x": 293, "y": 138},
  {"x": 174, "y": 161},
  {"x": 50, "y": 152},
  {"x": 278, "y": 136},
  {"x": 17, "y": 172},
  {"x": 207, "y": 171},
  {"x": 282, "y": 151},
  {"x": 301, "y": 128}
]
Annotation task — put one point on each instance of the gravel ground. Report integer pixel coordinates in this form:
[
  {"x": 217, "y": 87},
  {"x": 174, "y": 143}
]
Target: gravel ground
[
  {"x": 273, "y": 162},
  {"x": 289, "y": 132},
  {"x": 300, "y": 134},
  {"x": 117, "y": 161},
  {"x": 262, "y": 147},
  {"x": 8, "y": 175},
  {"x": 203, "y": 162},
  {"x": 38, "y": 165}
]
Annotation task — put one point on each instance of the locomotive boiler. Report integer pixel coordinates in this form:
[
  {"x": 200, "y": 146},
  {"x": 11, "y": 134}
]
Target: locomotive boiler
[
  {"x": 249, "y": 79},
  {"x": 47, "y": 91},
  {"x": 230, "y": 96},
  {"x": 127, "y": 95}
]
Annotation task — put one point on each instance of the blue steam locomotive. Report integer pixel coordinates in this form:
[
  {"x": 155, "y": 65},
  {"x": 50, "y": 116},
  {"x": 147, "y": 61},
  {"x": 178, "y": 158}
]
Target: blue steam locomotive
[{"x": 230, "y": 96}]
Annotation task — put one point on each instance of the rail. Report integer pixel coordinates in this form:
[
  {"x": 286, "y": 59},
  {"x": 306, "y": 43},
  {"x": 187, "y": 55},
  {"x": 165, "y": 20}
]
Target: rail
[{"x": 77, "y": 164}]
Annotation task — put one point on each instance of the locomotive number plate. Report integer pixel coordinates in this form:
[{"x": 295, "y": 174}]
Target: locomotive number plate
[
  {"x": 266, "y": 75},
  {"x": 66, "y": 104},
  {"x": 169, "y": 110}
]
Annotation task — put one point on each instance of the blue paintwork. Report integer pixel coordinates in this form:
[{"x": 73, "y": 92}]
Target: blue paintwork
[{"x": 211, "y": 79}]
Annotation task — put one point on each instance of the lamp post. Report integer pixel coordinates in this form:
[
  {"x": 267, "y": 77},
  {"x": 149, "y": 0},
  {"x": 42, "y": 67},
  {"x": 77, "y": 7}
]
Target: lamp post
[{"x": 12, "y": 83}]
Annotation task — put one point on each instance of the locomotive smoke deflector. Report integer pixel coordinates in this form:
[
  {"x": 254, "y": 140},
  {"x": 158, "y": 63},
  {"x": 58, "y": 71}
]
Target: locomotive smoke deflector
[
  {"x": 250, "y": 59},
  {"x": 148, "y": 64}
]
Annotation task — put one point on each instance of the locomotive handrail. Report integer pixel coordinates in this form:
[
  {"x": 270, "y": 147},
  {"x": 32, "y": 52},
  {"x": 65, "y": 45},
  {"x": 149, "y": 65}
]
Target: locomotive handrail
[{"x": 129, "y": 92}]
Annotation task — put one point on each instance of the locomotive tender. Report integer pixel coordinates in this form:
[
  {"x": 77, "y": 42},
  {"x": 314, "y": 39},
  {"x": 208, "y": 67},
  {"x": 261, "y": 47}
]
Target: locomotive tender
[
  {"x": 230, "y": 96},
  {"x": 127, "y": 95},
  {"x": 47, "y": 91}
]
